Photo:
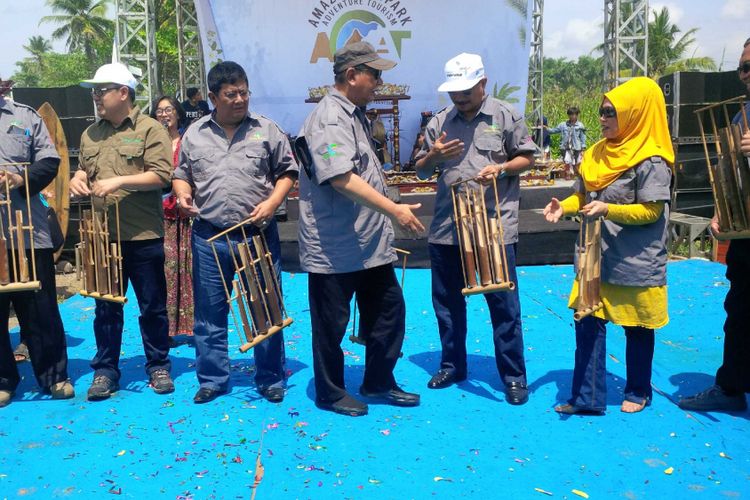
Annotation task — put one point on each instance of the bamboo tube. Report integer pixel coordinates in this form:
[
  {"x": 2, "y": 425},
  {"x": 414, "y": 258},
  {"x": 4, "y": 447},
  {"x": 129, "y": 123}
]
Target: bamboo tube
[
  {"x": 480, "y": 235},
  {"x": 249, "y": 333},
  {"x": 269, "y": 279},
  {"x": 23, "y": 264},
  {"x": 464, "y": 233},
  {"x": 260, "y": 318}
]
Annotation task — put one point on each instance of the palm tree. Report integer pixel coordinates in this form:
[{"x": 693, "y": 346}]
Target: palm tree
[
  {"x": 666, "y": 52},
  {"x": 521, "y": 7},
  {"x": 83, "y": 23},
  {"x": 38, "y": 46}
]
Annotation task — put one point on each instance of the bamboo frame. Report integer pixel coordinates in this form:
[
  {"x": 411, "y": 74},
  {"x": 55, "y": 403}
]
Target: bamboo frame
[
  {"x": 730, "y": 176},
  {"x": 14, "y": 269},
  {"x": 589, "y": 268},
  {"x": 256, "y": 291},
  {"x": 484, "y": 262},
  {"x": 98, "y": 258},
  {"x": 355, "y": 336}
]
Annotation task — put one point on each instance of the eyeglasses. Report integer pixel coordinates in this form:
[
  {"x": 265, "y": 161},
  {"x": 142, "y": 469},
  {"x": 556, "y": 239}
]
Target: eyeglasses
[
  {"x": 607, "y": 112},
  {"x": 164, "y": 111},
  {"x": 376, "y": 73},
  {"x": 744, "y": 67},
  {"x": 101, "y": 91},
  {"x": 242, "y": 94}
]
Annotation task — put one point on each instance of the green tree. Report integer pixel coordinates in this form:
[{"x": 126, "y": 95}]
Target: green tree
[
  {"x": 38, "y": 46},
  {"x": 60, "y": 70},
  {"x": 82, "y": 23},
  {"x": 667, "y": 50}
]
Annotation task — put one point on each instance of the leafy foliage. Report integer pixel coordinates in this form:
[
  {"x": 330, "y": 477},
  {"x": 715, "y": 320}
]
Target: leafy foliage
[
  {"x": 84, "y": 26},
  {"x": 667, "y": 50}
]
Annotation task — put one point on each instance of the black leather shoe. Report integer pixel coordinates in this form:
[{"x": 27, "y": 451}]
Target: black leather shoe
[
  {"x": 516, "y": 393},
  {"x": 205, "y": 395},
  {"x": 273, "y": 394},
  {"x": 713, "y": 399},
  {"x": 444, "y": 378},
  {"x": 345, "y": 406},
  {"x": 395, "y": 397}
]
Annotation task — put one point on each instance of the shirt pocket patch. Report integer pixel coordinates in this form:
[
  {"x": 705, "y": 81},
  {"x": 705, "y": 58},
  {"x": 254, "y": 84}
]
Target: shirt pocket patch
[
  {"x": 200, "y": 163},
  {"x": 130, "y": 159},
  {"x": 18, "y": 148},
  {"x": 256, "y": 162},
  {"x": 90, "y": 156}
]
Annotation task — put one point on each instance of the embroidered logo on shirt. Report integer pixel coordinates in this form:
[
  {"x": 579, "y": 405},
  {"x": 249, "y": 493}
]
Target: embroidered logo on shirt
[
  {"x": 330, "y": 151},
  {"x": 132, "y": 140},
  {"x": 491, "y": 129},
  {"x": 257, "y": 136}
]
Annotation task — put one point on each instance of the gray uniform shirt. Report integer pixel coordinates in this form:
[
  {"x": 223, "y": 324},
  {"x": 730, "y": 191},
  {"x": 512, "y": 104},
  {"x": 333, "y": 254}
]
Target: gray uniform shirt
[
  {"x": 635, "y": 255},
  {"x": 496, "y": 134},
  {"x": 337, "y": 235},
  {"x": 24, "y": 138},
  {"x": 230, "y": 178}
]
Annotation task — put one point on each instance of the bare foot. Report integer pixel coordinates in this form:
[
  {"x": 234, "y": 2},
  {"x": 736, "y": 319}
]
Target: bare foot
[{"x": 630, "y": 407}]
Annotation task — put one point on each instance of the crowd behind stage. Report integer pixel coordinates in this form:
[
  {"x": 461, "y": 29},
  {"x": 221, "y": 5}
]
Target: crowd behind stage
[{"x": 197, "y": 186}]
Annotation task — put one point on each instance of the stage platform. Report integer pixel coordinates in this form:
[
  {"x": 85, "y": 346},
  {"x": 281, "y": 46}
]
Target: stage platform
[
  {"x": 539, "y": 242},
  {"x": 464, "y": 441}
]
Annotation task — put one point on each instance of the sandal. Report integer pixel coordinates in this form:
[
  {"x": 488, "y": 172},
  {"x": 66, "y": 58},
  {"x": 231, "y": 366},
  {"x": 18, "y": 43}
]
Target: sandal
[
  {"x": 632, "y": 407},
  {"x": 21, "y": 353}
]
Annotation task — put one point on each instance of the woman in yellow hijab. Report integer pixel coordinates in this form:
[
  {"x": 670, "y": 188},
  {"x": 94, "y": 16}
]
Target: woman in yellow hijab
[{"x": 625, "y": 180}]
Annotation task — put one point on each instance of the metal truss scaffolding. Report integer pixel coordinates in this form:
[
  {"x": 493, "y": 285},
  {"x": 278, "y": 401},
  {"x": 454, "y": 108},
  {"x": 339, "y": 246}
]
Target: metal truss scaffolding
[
  {"x": 536, "y": 70},
  {"x": 625, "y": 40},
  {"x": 136, "y": 44},
  {"x": 192, "y": 71}
]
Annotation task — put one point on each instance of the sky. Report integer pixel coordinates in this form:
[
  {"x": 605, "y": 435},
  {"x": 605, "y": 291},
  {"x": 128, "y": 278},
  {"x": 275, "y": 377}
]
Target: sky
[{"x": 571, "y": 27}]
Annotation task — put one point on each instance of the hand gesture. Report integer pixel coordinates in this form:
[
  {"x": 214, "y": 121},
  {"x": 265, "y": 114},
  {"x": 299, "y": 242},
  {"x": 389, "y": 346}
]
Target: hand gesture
[
  {"x": 79, "y": 186},
  {"x": 185, "y": 205},
  {"x": 595, "y": 209},
  {"x": 103, "y": 187},
  {"x": 488, "y": 173},
  {"x": 263, "y": 214},
  {"x": 715, "y": 229},
  {"x": 14, "y": 180},
  {"x": 405, "y": 218},
  {"x": 444, "y": 151},
  {"x": 553, "y": 211},
  {"x": 745, "y": 143}
]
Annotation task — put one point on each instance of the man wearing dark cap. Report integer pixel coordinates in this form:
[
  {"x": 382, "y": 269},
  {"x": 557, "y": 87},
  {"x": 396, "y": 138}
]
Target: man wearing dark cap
[{"x": 345, "y": 237}]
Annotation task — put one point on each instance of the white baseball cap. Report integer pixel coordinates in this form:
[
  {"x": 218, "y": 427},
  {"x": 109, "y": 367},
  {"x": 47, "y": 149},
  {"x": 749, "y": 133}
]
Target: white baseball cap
[
  {"x": 112, "y": 73},
  {"x": 462, "y": 73}
]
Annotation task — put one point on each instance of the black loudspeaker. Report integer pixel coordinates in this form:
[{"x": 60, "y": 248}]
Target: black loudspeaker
[
  {"x": 692, "y": 188},
  {"x": 72, "y": 101},
  {"x": 74, "y": 128},
  {"x": 686, "y": 91}
]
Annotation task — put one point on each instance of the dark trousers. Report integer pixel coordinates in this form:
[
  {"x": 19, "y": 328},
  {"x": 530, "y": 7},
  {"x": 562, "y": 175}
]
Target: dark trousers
[
  {"x": 382, "y": 324},
  {"x": 143, "y": 266},
  {"x": 590, "y": 373},
  {"x": 211, "y": 309},
  {"x": 450, "y": 310},
  {"x": 734, "y": 375},
  {"x": 39, "y": 318}
]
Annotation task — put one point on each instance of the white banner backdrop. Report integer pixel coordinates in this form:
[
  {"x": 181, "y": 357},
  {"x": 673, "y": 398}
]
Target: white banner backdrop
[{"x": 287, "y": 46}]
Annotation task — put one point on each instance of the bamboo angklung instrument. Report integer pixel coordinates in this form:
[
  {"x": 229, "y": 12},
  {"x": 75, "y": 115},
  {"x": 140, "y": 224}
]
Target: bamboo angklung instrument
[
  {"x": 17, "y": 271},
  {"x": 730, "y": 175},
  {"x": 256, "y": 290},
  {"x": 98, "y": 257},
  {"x": 357, "y": 336},
  {"x": 480, "y": 238},
  {"x": 589, "y": 268}
]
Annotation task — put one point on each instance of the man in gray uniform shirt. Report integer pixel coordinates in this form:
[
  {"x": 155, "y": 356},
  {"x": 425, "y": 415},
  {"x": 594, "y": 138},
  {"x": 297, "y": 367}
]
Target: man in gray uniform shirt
[
  {"x": 24, "y": 139},
  {"x": 345, "y": 238},
  {"x": 479, "y": 136},
  {"x": 234, "y": 164}
]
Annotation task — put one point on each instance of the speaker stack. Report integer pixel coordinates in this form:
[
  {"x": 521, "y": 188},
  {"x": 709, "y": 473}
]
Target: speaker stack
[
  {"x": 72, "y": 104},
  {"x": 684, "y": 92}
]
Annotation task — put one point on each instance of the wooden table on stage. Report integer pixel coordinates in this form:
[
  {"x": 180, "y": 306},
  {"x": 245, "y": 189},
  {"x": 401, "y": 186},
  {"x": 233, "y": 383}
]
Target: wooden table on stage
[{"x": 393, "y": 110}]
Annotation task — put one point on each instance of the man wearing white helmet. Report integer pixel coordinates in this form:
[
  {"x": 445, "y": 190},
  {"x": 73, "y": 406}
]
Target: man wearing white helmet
[
  {"x": 477, "y": 137},
  {"x": 128, "y": 155}
]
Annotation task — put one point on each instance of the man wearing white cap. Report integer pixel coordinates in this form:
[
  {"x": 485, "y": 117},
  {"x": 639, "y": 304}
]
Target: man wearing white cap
[
  {"x": 128, "y": 155},
  {"x": 478, "y": 137}
]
